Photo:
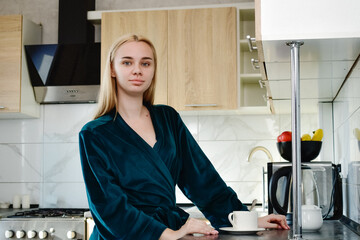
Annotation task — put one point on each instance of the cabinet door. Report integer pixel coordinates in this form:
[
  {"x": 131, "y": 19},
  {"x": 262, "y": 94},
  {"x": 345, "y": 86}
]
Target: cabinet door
[
  {"x": 202, "y": 66},
  {"x": 152, "y": 25},
  {"x": 10, "y": 63}
]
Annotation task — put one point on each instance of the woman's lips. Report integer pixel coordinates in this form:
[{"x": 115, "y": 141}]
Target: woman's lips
[{"x": 137, "y": 81}]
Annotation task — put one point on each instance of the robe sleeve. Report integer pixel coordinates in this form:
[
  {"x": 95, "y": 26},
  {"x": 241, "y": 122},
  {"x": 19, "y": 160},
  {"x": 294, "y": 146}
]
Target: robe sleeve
[
  {"x": 114, "y": 217},
  {"x": 202, "y": 184}
]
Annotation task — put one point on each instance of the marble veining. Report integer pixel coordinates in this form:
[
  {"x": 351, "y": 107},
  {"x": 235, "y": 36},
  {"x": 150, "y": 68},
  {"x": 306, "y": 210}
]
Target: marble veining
[
  {"x": 64, "y": 195},
  {"x": 62, "y": 123},
  {"x": 21, "y": 162},
  {"x": 238, "y": 127},
  {"x": 62, "y": 163}
]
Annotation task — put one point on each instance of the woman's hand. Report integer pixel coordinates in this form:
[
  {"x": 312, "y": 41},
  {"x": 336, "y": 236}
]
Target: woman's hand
[
  {"x": 192, "y": 225},
  {"x": 273, "y": 221}
]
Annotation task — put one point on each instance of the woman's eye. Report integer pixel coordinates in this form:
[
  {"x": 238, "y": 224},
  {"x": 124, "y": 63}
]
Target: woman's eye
[
  {"x": 146, "y": 64},
  {"x": 126, "y": 63}
]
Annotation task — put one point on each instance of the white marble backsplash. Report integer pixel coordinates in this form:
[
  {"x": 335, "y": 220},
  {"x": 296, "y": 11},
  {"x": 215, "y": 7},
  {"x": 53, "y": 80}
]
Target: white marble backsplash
[{"x": 40, "y": 157}]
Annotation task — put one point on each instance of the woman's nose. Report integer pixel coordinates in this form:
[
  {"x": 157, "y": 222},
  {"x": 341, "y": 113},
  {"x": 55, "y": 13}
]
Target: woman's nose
[{"x": 137, "y": 69}]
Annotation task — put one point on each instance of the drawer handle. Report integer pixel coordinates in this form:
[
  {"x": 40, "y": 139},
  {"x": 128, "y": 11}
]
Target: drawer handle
[
  {"x": 201, "y": 105},
  {"x": 250, "y": 43},
  {"x": 255, "y": 64}
]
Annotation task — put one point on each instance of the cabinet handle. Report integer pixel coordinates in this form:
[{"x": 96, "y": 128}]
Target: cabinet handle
[
  {"x": 261, "y": 83},
  {"x": 250, "y": 43},
  {"x": 201, "y": 105},
  {"x": 266, "y": 98},
  {"x": 254, "y": 62},
  {"x": 2, "y": 107}
]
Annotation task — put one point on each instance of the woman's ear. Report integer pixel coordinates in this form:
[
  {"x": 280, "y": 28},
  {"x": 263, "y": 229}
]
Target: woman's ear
[{"x": 112, "y": 72}]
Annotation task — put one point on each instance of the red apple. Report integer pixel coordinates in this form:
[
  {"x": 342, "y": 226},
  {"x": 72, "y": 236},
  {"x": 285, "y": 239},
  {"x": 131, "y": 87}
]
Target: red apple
[{"x": 284, "y": 137}]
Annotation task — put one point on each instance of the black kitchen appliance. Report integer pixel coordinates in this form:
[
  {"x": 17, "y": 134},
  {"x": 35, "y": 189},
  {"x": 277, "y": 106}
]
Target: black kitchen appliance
[{"x": 321, "y": 186}]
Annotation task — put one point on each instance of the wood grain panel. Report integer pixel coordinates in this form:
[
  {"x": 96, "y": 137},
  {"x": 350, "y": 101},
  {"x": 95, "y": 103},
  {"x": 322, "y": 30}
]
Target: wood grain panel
[
  {"x": 202, "y": 58},
  {"x": 151, "y": 24},
  {"x": 10, "y": 23},
  {"x": 10, "y": 62}
]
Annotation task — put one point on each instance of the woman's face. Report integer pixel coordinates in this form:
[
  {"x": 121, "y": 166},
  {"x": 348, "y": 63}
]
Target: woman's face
[{"x": 133, "y": 67}]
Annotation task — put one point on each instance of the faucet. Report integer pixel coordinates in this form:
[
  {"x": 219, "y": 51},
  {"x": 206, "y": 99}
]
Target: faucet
[{"x": 264, "y": 149}]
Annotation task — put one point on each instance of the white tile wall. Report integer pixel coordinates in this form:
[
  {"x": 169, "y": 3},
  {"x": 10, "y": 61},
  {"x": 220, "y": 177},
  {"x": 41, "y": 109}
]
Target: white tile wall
[
  {"x": 347, "y": 146},
  {"x": 44, "y": 152},
  {"x": 63, "y": 122},
  {"x": 40, "y": 157},
  {"x": 22, "y": 130},
  {"x": 64, "y": 195},
  {"x": 21, "y": 162}
]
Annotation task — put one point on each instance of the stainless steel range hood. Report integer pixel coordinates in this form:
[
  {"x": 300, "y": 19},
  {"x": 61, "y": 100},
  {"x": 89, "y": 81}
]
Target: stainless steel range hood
[{"x": 64, "y": 73}]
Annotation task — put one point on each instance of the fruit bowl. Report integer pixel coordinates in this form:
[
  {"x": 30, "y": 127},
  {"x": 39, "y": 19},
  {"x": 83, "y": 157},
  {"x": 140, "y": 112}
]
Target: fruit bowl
[{"x": 309, "y": 150}]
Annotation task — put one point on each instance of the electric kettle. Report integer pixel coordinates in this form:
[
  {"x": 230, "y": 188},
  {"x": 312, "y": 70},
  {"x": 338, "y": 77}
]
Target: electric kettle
[{"x": 280, "y": 190}]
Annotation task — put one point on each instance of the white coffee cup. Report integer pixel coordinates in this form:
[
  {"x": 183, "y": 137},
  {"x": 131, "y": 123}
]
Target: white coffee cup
[
  {"x": 244, "y": 220},
  {"x": 16, "y": 201},
  {"x": 25, "y": 201}
]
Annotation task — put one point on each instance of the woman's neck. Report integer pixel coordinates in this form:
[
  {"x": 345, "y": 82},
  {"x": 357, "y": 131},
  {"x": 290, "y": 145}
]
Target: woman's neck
[{"x": 130, "y": 107}]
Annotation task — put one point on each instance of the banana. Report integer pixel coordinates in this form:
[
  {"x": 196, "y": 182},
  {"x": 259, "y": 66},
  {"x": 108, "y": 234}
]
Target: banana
[
  {"x": 306, "y": 137},
  {"x": 357, "y": 133},
  {"x": 318, "y": 135}
]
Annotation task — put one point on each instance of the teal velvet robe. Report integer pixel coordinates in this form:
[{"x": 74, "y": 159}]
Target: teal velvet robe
[{"x": 131, "y": 185}]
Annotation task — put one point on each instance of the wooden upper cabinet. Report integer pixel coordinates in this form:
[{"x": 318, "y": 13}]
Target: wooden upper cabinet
[
  {"x": 196, "y": 51},
  {"x": 151, "y": 24},
  {"x": 17, "y": 98},
  {"x": 10, "y": 63},
  {"x": 202, "y": 53}
]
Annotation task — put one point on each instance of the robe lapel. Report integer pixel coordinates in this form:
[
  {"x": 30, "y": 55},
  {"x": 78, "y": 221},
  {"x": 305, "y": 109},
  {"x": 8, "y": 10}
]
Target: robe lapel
[{"x": 150, "y": 153}]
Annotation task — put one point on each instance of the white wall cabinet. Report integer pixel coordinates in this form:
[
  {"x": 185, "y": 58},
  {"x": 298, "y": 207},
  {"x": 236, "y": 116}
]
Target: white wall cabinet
[
  {"x": 16, "y": 93},
  {"x": 331, "y": 36},
  {"x": 255, "y": 94}
]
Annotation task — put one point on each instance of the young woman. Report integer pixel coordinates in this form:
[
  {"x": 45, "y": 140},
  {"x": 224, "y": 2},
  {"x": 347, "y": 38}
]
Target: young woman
[{"x": 134, "y": 153}]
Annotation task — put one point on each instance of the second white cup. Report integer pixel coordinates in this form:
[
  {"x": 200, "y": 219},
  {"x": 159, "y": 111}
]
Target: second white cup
[
  {"x": 25, "y": 201},
  {"x": 244, "y": 220}
]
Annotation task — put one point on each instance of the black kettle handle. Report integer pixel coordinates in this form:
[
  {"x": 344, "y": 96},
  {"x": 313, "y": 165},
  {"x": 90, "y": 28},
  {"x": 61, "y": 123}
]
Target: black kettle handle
[{"x": 282, "y": 172}]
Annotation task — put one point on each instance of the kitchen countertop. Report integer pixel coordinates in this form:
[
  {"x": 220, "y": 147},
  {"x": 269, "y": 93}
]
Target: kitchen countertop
[
  {"x": 330, "y": 230},
  {"x": 4, "y": 212}
]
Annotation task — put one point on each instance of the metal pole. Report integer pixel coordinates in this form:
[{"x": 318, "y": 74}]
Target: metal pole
[{"x": 296, "y": 141}]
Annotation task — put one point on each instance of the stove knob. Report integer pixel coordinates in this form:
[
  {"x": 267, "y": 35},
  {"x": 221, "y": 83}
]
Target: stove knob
[
  {"x": 43, "y": 234},
  {"x": 31, "y": 234},
  {"x": 20, "y": 234},
  {"x": 71, "y": 235},
  {"x": 9, "y": 234}
]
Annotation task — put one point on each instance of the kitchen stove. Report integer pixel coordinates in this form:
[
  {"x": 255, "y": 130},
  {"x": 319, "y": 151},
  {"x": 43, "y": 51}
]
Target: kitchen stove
[{"x": 45, "y": 223}]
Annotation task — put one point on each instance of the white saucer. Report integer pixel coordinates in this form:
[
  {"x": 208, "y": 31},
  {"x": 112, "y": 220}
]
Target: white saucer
[{"x": 239, "y": 231}]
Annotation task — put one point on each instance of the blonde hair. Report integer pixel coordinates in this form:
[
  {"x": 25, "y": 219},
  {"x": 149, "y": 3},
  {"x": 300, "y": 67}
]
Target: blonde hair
[{"x": 107, "y": 99}]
